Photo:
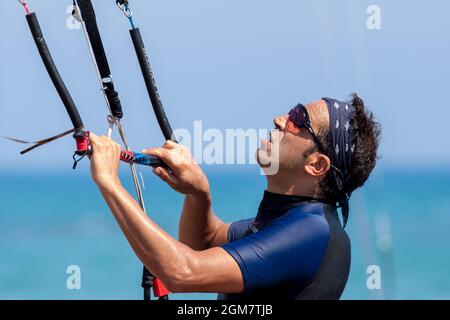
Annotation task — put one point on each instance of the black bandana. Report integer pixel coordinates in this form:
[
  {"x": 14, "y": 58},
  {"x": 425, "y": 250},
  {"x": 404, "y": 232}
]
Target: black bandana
[{"x": 343, "y": 139}]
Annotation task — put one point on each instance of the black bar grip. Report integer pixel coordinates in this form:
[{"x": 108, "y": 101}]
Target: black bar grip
[
  {"x": 142, "y": 159},
  {"x": 150, "y": 83},
  {"x": 53, "y": 72}
]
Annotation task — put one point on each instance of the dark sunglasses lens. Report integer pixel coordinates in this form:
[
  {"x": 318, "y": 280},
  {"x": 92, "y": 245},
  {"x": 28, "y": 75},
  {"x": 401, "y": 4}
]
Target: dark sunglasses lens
[{"x": 298, "y": 116}]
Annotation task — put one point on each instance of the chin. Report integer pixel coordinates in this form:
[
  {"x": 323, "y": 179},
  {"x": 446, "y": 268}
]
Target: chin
[{"x": 268, "y": 165}]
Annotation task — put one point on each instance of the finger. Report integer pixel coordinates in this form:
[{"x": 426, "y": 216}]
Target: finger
[
  {"x": 100, "y": 141},
  {"x": 167, "y": 156},
  {"x": 161, "y": 153},
  {"x": 93, "y": 138},
  {"x": 169, "y": 144},
  {"x": 154, "y": 151},
  {"x": 106, "y": 139},
  {"x": 117, "y": 149},
  {"x": 164, "y": 175},
  {"x": 148, "y": 151}
]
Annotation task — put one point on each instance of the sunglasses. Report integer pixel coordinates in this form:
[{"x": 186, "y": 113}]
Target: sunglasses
[{"x": 300, "y": 118}]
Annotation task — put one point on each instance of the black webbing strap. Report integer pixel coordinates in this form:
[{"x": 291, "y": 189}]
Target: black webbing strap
[
  {"x": 88, "y": 15},
  {"x": 39, "y": 143}
]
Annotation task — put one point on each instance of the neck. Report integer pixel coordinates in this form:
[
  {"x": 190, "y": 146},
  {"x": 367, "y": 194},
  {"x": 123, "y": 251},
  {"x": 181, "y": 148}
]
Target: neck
[{"x": 297, "y": 186}]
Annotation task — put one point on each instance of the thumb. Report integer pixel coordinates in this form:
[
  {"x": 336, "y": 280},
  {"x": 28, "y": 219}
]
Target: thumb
[{"x": 93, "y": 138}]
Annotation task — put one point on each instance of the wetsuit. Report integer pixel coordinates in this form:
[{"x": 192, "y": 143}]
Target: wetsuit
[{"x": 295, "y": 248}]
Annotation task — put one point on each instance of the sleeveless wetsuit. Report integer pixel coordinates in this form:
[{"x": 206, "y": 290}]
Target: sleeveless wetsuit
[{"x": 295, "y": 248}]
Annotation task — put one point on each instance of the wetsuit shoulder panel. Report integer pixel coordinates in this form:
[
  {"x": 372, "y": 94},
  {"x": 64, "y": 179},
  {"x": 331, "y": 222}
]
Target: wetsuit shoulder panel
[
  {"x": 238, "y": 229},
  {"x": 288, "y": 250}
]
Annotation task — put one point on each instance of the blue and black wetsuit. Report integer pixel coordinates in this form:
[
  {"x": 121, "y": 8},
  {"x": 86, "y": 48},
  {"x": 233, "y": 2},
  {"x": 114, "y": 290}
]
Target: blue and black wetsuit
[{"x": 295, "y": 248}]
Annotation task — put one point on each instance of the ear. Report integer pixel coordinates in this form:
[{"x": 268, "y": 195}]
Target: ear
[{"x": 317, "y": 164}]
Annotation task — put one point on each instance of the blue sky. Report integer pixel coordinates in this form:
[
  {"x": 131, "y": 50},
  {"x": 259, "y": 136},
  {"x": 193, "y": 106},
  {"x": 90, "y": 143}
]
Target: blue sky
[{"x": 234, "y": 64}]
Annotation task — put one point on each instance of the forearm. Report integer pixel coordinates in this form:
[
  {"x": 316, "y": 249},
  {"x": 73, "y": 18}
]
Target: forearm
[
  {"x": 165, "y": 257},
  {"x": 179, "y": 267},
  {"x": 198, "y": 224}
]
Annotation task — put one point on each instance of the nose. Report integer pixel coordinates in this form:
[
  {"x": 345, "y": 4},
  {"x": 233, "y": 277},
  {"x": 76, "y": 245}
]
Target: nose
[{"x": 280, "y": 122}]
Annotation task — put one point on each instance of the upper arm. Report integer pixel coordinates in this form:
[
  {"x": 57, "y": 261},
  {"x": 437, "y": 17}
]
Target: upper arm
[
  {"x": 228, "y": 232},
  {"x": 212, "y": 270},
  {"x": 220, "y": 236}
]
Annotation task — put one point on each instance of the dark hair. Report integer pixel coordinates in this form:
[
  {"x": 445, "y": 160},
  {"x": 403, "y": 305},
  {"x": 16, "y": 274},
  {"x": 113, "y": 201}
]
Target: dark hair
[{"x": 365, "y": 156}]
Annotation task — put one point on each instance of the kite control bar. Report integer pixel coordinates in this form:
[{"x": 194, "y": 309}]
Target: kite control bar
[{"x": 84, "y": 148}]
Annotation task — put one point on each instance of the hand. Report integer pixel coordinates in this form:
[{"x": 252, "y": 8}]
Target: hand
[
  {"x": 105, "y": 160},
  {"x": 186, "y": 176}
]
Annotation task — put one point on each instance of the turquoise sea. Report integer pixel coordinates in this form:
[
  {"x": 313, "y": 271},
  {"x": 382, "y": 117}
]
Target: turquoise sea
[{"x": 400, "y": 221}]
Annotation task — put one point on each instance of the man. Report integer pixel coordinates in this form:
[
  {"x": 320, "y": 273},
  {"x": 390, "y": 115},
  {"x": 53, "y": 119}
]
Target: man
[{"x": 295, "y": 248}]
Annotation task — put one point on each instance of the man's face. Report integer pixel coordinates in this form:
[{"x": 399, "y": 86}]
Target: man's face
[{"x": 288, "y": 143}]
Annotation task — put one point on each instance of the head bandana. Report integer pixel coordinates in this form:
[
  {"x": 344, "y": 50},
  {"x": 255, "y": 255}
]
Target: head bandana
[{"x": 343, "y": 140}]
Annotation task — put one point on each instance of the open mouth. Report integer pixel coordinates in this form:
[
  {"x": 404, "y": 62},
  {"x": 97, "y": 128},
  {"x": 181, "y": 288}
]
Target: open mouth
[
  {"x": 273, "y": 135},
  {"x": 268, "y": 141}
]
